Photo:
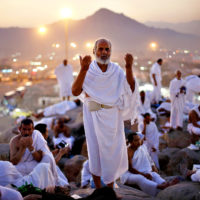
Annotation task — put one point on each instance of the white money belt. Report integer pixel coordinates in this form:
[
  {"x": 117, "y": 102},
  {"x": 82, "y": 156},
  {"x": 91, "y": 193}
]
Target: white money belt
[{"x": 94, "y": 106}]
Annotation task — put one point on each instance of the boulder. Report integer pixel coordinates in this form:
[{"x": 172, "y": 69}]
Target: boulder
[
  {"x": 182, "y": 160},
  {"x": 5, "y": 136},
  {"x": 178, "y": 139},
  {"x": 165, "y": 156},
  {"x": 127, "y": 193},
  {"x": 73, "y": 167},
  {"x": 182, "y": 191},
  {"x": 4, "y": 152}
]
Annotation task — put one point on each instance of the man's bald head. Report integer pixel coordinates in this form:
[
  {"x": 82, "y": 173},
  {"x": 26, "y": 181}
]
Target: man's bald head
[
  {"x": 99, "y": 41},
  {"x": 102, "y": 51}
]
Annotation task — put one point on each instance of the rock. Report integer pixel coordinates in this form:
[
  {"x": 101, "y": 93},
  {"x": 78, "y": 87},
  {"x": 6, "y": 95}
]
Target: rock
[
  {"x": 178, "y": 139},
  {"x": 182, "y": 191},
  {"x": 165, "y": 156},
  {"x": 5, "y": 136},
  {"x": 182, "y": 160},
  {"x": 4, "y": 152},
  {"x": 127, "y": 193},
  {"x": 72, "y": 168},
  {"x": 162, "y": 144}
]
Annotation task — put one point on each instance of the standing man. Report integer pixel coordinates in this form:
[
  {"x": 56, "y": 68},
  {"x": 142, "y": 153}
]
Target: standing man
[
  {"x": 110, "y": 98},
  {"x": 177, "y": 96},
  {"x": 64, "y": 75},
  {"x": 151, "y": 137},
  {"x": 156, "y": 78}
]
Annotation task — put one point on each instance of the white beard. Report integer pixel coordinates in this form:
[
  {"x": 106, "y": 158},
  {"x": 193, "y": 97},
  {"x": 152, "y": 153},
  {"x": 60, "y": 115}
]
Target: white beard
[{"x": 103, "y": 62}]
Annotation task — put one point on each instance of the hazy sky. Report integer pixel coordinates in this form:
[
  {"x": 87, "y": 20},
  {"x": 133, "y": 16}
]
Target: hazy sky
[{"x": 33, "y": 13}]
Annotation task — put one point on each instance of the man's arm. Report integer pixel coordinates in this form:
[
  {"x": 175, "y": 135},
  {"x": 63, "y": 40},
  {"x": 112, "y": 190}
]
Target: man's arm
[
  {"x": 78, "y": 83},
  {"x": 194, "y": 118},
  {"x": 154, "y": 79},
  {"x": 15, "y": 153},
  {"x": 129, "y": 72}
]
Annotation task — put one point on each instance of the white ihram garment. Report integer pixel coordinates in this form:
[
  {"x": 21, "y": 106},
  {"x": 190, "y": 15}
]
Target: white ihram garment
[
  {"x": 64, "y": 75},
  {"x": 177, "y": 103},
  {"x": 193, "y": 87},
  {"x": 152, "y": 140},
  {"x": 142, "y": 162},
  {"x": 85, "y": 174},
  {"x": 104, "y": 128},
  {"x": 59, "y": 108},
  {"x": 145, "y": 108},
  {"x": 9, "y": 194},
  {"x": 191, "y": 128},
  {"x": 155, "y": 69}
]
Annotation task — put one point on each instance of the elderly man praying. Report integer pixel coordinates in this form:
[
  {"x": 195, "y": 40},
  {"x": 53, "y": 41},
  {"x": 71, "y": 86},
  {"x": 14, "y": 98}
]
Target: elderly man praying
[{"x": 110, "y": 98}]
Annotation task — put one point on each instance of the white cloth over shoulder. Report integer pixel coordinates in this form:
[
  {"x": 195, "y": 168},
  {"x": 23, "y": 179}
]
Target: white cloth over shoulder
[
  {"x": 104, "y": 128},
  {"x": 9, "y": 194},
  {"x": 64, "y": 76}
]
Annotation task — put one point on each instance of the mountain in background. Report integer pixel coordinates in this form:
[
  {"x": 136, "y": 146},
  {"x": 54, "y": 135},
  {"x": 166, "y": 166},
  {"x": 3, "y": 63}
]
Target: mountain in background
[
  {"x": 126, "y": 34},
  {"x": 192, "y": 27}
]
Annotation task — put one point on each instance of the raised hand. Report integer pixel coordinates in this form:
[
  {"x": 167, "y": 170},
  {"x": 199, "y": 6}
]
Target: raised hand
[
  {"x": 85, "y": 62},
  {"x": 129, "y": 60}
]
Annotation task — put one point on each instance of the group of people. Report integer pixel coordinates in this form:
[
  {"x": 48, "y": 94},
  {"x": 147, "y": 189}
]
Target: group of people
[{"x": 110, "y": 96}]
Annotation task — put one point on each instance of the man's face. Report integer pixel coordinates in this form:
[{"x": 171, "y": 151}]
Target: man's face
[
  {"x": 103, "y": 52},
  {"x": 136, "y": 141},
  {"x": 26, "y": 130},
  {"x": 142, "y": 94},
  {"x": 178, "y": 75},
  {"x": 147, "y": 119},
  {"x": 160, "y": 63}
]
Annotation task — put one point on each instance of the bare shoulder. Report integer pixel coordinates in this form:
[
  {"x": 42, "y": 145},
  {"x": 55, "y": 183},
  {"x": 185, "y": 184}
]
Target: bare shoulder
[
  {"x": 14, "y": 141},
  {"x": 130, "y": 153}
]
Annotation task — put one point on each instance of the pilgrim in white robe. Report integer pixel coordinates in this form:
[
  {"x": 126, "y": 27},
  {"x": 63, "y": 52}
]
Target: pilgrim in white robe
[
  {"x": 156, "y": 94},
  {"x": 104, "y": 128},
  {"x": 145, "y": 108},
  {"x": 196, "y": 176},
  {"x": 42, "y": 174},
  {"x": 193, "y": 87},
  {"x": 142, "y": 162},
  {"x": 151, "y": 140},
  {"x": 177, "y": 103},
  {"x": 191, "y": 128},
  {"x": 64, "y": 75},
  {"x": 9, "y": 194}
]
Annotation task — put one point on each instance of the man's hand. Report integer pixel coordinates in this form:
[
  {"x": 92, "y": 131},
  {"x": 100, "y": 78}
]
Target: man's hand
[
  {"x": 153, "y": 149},
  {"x": 64, "y": 151},
  {"x": 129, "y": 60},
  {"x": 85, "y": 62},
  {"x": 22, "y": 142},
  {"x": 148, "y": 176}
]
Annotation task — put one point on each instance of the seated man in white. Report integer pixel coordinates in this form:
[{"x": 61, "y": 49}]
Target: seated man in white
[
  {"x": 141, "y": 167},
  {"x": 31, "y": 160},
  {"x": 164, "y": 108},
  {"x": 151, "y": 137},
  {"x": 58, "y": 109},
  {"x": 62, "y": 133},
  {"x": 194, "y": 121},
  {"x": 145, "y": 106}
]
